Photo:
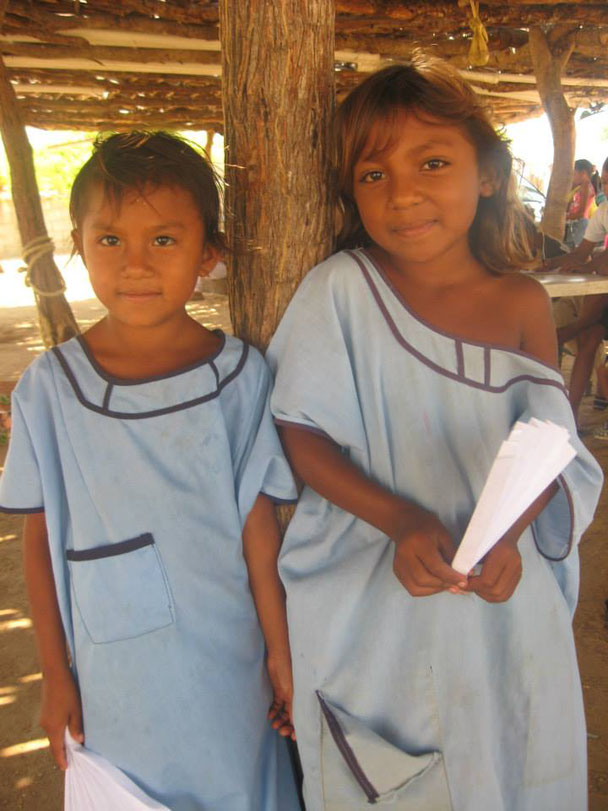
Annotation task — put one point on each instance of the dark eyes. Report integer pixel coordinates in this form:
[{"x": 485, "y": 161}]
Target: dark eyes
[
  {"x": 111, "y": 241},
  {"x": 372, "y": 177},
  {"x": 430, "y": 165},
  {"x": 435, "y": 163}
]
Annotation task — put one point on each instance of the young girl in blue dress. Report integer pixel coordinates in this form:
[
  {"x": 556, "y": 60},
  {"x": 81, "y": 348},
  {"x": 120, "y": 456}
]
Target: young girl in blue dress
[
  {"x": 145, "y": 460},
  {"x": 402, "y": 363}
]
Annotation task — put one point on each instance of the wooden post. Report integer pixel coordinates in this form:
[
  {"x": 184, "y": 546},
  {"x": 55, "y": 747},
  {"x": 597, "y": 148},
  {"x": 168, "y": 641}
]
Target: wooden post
[
  {"x": 56, "y": 320},
  {"x": 550, "y": 52},
  {"x": 278, "y": 90}
]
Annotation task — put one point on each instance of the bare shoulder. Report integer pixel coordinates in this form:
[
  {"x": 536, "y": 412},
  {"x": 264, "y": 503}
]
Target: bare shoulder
[
  {"x": 527, "y": 303},
  {"x": 523, "y": 284}
]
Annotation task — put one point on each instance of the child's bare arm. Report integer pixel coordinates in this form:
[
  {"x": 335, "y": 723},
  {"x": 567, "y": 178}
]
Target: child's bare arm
[
  {"x": 423, "y": 545},
  {"x": 599, "y": 263},
  {"x": 261, "y": 544},
  {"x": 60, "y": 698}
]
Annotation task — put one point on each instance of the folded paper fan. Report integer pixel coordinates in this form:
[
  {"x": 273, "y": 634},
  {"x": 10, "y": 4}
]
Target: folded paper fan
[
  {"x": 93, "y": 784},
  {"x": 533, "y": 455}
]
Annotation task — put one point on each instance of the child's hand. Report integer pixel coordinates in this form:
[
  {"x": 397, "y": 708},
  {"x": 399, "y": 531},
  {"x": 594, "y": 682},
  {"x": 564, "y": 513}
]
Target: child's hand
[
  {"x": 500, "y": 573},
  {"x": 60, "y": 708},
  {"x": 279, "y": 670},
  {"x": 421, "y": 555}
]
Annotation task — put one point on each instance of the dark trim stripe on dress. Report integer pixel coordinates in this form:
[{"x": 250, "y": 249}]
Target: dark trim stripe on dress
[
  {"x": 110, "y": 550},
  {"x": 159, "y": 412},
  {"x": 127, "y": 381},
  {"x": 431, "y": 364},
  {"x": 21, "y": 510},
  {"x": 347, "y": 753},
  {"x": 559, "y": 558}
]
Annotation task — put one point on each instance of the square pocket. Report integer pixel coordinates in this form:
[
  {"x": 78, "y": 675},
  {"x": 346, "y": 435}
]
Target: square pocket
[{"x": 121, "y": 589}]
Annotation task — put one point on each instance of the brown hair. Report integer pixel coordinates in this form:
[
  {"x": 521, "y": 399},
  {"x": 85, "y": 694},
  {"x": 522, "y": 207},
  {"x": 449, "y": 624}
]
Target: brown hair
[
  {"x": 135, "y": 160},
  {"x": 428, "y": 87}
]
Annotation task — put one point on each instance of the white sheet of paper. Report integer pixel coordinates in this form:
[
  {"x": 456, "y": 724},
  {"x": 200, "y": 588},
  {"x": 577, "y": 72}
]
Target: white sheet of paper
[
  {"x": 533, "y": 455},
  {"x": 93, "y": 784}
]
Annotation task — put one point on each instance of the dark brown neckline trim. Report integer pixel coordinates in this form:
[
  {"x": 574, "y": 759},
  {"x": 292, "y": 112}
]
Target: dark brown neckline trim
[
  {"x": 127, "y": 381},
  {"x": 427, "y": 324}
]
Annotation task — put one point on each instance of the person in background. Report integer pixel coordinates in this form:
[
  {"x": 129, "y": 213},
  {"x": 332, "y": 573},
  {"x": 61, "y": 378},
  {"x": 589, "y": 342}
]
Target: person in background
[
  {"x": 590, "y": 326},
  {"x": 581, "y": 203}
]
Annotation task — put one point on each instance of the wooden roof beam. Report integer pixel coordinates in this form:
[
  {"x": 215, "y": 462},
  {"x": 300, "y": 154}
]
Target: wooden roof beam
[
  {"x": 30, "y": 13},
  {"x": 122, "y": 66},
  {"x": 101, "y": 53}
]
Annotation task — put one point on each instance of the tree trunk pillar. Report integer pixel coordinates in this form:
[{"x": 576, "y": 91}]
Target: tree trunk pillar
[
  {"x": 278, "y": 92},
  {"x": 56, "y": 320},
  {"x": 550, "y": 50}
]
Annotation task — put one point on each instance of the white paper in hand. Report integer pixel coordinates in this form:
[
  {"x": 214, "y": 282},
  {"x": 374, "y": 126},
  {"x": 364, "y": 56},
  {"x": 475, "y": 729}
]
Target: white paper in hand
[
  {"x": 532, "y": 456},
  {"x": 94, "y": 784}
]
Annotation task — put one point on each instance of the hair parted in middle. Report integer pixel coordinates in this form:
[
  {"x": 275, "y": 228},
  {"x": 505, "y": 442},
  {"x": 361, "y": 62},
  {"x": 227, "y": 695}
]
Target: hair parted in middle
[{"x": 429, "y": 88}]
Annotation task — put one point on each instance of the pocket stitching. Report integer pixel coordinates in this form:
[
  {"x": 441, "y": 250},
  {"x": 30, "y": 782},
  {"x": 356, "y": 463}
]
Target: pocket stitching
[
  {"x": 169, "y": 595},
  {"x": 347, "y": 753},
  {"x": 111, "y": 549}
]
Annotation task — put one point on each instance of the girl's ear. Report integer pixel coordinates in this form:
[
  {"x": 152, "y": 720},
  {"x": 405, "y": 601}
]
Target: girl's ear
[
  {"x": 76, "y": 239},
  {"x": 211, "y": 256},
  {"x": 489, "y": 182}
]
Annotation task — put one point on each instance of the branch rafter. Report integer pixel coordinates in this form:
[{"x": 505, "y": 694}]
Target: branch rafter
[{"x": 123, "y": 49}]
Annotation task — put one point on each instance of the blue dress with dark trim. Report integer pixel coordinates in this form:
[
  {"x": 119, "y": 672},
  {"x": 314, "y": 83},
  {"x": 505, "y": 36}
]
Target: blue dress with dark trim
[
  {"x": 146, "y": 486},
  {"x": 439, "y": 702}
]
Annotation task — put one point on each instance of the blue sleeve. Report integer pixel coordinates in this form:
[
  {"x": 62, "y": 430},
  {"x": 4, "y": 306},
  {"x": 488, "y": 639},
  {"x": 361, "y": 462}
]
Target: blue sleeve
[
  {"x": 312, "y": 354},
  {"x": 20, "y": 483},
  {"x": 260, "y": 465},
  {"x": 561, "y": 524}
]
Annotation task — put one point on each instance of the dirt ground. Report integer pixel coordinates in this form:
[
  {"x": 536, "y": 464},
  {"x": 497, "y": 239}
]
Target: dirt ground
[{"x": 28, "y": 780}]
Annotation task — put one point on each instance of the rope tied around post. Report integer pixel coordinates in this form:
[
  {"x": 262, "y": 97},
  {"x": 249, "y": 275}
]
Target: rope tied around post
[{"x": 32, "y": 252}]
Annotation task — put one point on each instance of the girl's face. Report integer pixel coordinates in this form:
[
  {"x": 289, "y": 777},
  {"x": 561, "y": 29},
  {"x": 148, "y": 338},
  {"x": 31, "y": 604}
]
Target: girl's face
[
  {"x": 145, "y": 253},
  {"x": 579, "y": 177},
  {"x": 417, "y": 197}
]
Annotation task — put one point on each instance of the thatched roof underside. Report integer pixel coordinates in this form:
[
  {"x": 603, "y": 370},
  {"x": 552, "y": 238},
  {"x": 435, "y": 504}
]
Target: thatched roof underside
[{"x": 110, "y": 64}]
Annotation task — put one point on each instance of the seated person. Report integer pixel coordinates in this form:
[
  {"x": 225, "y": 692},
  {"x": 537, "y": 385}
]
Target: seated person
[{"x": 590, "y": 327}]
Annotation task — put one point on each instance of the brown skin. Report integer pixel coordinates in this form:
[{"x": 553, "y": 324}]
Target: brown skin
[
  {"x": 143, "y": 258},
  {"x": 60, "y": 698},
  {"x": 261, "y": 544},
  {"x": 417, "y": 201},
  {"x": 423, "y": 547}
]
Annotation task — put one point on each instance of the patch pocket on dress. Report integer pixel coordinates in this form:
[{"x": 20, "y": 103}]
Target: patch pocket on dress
[
  {"x": 120, "y": 589},
  {"x": 359, "y": 768}
]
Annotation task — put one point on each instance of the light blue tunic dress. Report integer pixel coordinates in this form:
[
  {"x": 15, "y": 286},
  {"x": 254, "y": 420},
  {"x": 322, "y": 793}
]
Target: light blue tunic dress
[
  {"x": 447, "y": 701},
  {"x": 146, "y": 486}
]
